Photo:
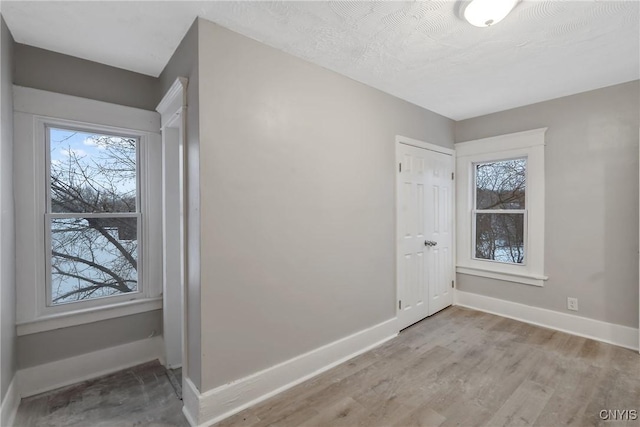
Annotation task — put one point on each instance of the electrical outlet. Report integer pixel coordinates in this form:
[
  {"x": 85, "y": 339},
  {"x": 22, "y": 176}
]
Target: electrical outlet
[{"x": 572, "y": 304}]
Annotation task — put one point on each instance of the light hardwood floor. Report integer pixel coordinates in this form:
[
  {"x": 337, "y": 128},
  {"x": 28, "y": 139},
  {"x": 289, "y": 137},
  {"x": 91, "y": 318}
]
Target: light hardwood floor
[
  {"x": 145, "y": 395},
  {"x": 462, "y": 367},
  {"x": 457, "y": 368}
]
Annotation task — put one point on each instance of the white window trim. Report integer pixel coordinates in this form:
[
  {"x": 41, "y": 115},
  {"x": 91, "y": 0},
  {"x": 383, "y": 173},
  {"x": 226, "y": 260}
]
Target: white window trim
[
  {"x": 33, "y": 110},
  {"x": 529, "y": 144}
]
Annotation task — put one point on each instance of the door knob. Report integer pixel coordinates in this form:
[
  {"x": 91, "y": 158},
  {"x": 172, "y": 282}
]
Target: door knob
[{"x": 430, "y": 243}]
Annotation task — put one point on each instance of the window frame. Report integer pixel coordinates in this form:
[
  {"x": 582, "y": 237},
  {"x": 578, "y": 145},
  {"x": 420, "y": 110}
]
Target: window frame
[
  {"x": 529, "y": 145},
  {"x": 34, "y": 112}
]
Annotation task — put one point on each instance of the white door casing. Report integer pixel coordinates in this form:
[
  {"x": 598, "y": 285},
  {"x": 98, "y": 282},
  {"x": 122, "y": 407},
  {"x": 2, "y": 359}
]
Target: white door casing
[
  {"x": 172, "y": 109},
  {"x": 424, "y": 198}
]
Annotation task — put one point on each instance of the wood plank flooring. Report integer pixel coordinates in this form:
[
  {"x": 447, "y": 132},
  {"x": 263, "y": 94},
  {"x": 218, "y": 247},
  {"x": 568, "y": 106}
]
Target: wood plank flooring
[
  {"x": 459, "y": 367},
  {"x": 462, "y": 367},
  {"x": 140, "y": 396}
]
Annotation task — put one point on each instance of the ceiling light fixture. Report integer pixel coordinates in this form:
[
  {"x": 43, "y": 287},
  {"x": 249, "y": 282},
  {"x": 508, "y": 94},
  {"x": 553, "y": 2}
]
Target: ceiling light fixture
[{"x": 485, "y": 13}]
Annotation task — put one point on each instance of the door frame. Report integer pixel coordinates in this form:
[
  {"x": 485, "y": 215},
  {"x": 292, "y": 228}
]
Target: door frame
[
  {"x": 403, "y": 140},
  {"x": 172, "y": 109}
]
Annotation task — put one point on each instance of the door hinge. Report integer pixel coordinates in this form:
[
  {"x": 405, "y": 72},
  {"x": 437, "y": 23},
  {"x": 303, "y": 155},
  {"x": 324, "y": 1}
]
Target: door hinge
[
  {"x": 400, "y": 305},
  {"x": 452, "y": 284},
  {"x": 452, "y": 175},
  {"x": 399, "y": 167}
]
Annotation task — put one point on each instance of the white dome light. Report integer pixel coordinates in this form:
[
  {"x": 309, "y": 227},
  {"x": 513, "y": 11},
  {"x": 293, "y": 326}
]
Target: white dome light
[{"x": 484, "y": 13}]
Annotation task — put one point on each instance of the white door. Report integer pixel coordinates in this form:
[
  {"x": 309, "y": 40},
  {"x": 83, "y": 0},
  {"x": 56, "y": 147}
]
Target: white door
[
  {"x": 440, "y": 261},
  {"x": 425, "y": 238}
]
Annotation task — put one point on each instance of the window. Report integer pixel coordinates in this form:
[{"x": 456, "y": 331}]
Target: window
[
  {"x": 499, "y": 214},
  {"x": 500, "y": 201},
  {"x": 93, "y": 215},
  {"x": 88, "y": 186}
]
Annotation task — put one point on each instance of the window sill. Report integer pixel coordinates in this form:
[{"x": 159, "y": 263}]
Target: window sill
[
  {"x": 527, "y": 279},
  {"x": 81, "y": 317}
]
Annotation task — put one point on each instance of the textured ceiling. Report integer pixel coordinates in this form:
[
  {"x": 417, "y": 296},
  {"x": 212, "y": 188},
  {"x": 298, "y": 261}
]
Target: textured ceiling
[{"x": 419, "y": 51}]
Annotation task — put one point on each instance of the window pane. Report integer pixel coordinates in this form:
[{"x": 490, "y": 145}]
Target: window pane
[
  {"x": 501, "y": 185},
  {"x": 92, "y": 172},
  {"x": 93, "y": 258},
  {"x": 500, "y": 237}
]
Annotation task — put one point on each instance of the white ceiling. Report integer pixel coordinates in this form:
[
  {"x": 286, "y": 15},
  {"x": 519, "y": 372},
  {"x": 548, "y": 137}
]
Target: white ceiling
[{"x": 419, "y": 51}]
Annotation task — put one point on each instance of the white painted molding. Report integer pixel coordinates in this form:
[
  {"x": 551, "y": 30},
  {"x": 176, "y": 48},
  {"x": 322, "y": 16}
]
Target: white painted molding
[
  {"x": 623, "y": 336},
  {"x": 88, "y": 315},
  {"x": 510, "y": 277},
  {"x": 514, "y": 141},
  {"x": 10, "y": 404},
  {"x": 61, "y": 373},
  {"x": 203, "y": 409},
  {"x": 51, "y": 104},
  {"x": 191, "y": 400},
  {"x": 426, "y": 145},
  {"x": 173, "y": 101},
  {"x": 172, "y": 109}
]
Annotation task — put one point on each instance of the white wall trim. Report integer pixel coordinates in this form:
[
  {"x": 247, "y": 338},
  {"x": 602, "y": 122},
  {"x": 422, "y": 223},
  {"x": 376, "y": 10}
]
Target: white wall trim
[
  {"x": 191, "y": 398},
  {"x": 173, "y": 101},
  {"x": 527, "y": 279},
  {"x": 172, "y": 109},
  {"x": 623, "y": 336},
  {"x": 53, "y": 375},
  {"x": 426, "y": 145},
  {"x": 10, "y": 404},
  {"x": 88, "y": 315},
  {"x": 513, "y": 141},
  {"x": 203, "y": 409},
  {"x": 52, "y": 104}
]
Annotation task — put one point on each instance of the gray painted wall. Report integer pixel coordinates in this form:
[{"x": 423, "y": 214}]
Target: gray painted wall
[
  {"x": 7, "y": 235},
  {"x": 72, "y": 341},
  {"x": 297, "y": 203},
  {"x": 55, "y": 72},
  {"x": 184, "y": 63},
  {"x": 42, "y": 69},
  {"x": 591, "y": 238}
]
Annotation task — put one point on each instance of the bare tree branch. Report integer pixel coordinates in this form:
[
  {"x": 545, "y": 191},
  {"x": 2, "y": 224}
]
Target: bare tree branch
[{"x": 117, "y": 278}]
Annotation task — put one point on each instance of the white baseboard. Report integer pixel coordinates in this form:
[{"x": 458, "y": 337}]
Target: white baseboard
[
  {"x": 623, "y": 336},
  {"x": 203, "y": 409},
  {"x": 190, "y": 400},
  {"x": 10, "y": 404},
  {"x": 61, "y": 373}
]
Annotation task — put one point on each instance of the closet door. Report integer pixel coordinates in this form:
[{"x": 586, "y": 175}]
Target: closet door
[{"x": 424, "y": 232}]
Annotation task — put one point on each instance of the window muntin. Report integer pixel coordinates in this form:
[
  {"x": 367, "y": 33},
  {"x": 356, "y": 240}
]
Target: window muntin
[
  {"x": 93, "y": 215},
  {"x": 499, "y": 216}
]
